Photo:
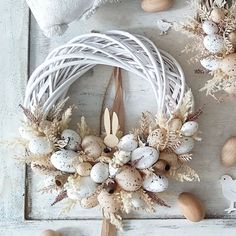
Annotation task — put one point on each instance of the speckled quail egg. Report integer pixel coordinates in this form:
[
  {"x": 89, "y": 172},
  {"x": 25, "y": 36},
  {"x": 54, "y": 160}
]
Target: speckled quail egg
[
  {"x": 99, "y": 172},
  {"x": 155, "y": 183},
  {"x": 128, "y": 143},
  {"x": 187, "y": 144},
  {"x": 63, "y": 160},
  {"x": 209, "y": 27},
  {"x": 73, "y": 139},
  {"x": 40, "y": 146},
  {"x": 144, "y": 157},
  {"x": 210, "y": 63},
  {"x": 214, "y": 43},
  {"x": 189, "y": 128}
]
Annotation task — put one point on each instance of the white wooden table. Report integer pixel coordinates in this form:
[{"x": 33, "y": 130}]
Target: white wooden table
[{"x": 23, "y": 211}]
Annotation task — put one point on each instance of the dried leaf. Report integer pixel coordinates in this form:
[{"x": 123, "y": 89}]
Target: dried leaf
[
  {"x": 157, "y": 200},
  {"x": 62, "y": 195},
  {"x": 83, "y": 128}
]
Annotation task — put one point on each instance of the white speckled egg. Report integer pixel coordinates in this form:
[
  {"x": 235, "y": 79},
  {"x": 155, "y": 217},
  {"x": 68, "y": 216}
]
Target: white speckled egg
[
  {"x": 108, "y": 202},
  {"x": 129, "y": 179},
  {"x": 99, "y": 172},
  {"x": 214, "y": 43},
  {"x": 113, "y": 170},
  {"x": 40, "y": 146},
  {"x": 85, "y": 188},
  {"x": 187, "y": 144},
  {"x": 228, "y": 64},
  {"x": 189, "y": 128},
  {"x": 26, "y": 134},
  {"x": 83, "y": 168},
  {"x": 128, "y": 143},
  {"x": 209, "y": 27},
  {"x": 74, "y": 139},
  {"x": 144, "y": 157},
  {"x": 155, "y": 183},
  {"x": 92, "y": 146},
  {"x": 63, "y": 160},
  {"x": 210, "y": 63}
]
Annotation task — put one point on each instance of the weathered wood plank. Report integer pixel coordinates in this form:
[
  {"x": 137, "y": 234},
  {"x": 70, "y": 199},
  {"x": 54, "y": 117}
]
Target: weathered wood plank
[{"x": 14, "y": 65}]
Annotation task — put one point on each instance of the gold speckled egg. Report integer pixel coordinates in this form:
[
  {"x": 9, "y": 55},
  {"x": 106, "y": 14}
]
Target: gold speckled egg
[
  {"x": 84, "y": 168},
  {"x": 108, "y": 202},
  {"x": 228, "y": 64},
  {"x": 89, "y": 202},
  {"x": 129, "y": 179}
]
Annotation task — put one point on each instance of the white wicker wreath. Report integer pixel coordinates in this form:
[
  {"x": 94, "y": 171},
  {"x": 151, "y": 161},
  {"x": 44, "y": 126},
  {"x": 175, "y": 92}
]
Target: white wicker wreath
[{"x": 117, "y": 172}]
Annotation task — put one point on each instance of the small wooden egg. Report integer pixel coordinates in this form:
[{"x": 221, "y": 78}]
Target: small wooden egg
[
  {"x": 49, "y": 232},
  {"x": 156, "y": 5},
  {"x": 155, "y": 183},
  {"x": 232, "y": 38},
  {"x": 161, "y": 166},
  {"x": 228, "y": 152},
  {"x": 217, "y": 15},
  {"x": 228, "y": 64},
  {"x": 63, "y": 160},
  {"x": 189, "y": 128},
  {"x": 85, "y": 188},
  {"x": 191, "y": 207},
  {"x": 74, "y": 139},
  {"x": 93, "y": 146},
  {"x": 89, "y": 202},
  {"x": 40, "y": 146},
  {"x": 84, "y": 168},
  {"x": 144, "y": 157},
  {"x": 210, "y": 63},
  {"x": 108, "y": 202},
  {"x": 99, "y": 172},
  {"x": 187, "y": 144},
  {"x": 214, "y": 43},
  {"x": 129, "y": 179},
  {"x": 128, "y": 143},
  {"x": 209, "y": 27},
  {"x": 175, "y": 124}
]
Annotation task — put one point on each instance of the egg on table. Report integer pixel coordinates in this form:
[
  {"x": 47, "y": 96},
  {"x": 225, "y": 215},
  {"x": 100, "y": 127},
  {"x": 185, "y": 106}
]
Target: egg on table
[
  {"x": 155, "y": 183},
  {"x": 64, "y": 160},
  {"x": 40, "y": 146},
  {"x": 73, "y": 139},
  {"x": 129, "y": 179},
  {"x": 99, "y": 172},
  {"x": 214, "y": 43},
  {"x": 209, "y": 27},
  {"x": 128, "y": 143},
  {"x": 144, "y": 157}
]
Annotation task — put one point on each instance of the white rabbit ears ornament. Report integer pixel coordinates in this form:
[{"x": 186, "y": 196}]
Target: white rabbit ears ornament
[{"x": 54, "y": 16}]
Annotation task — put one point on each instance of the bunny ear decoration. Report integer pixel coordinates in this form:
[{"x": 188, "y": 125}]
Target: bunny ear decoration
[{"x": 132, "y": 169}]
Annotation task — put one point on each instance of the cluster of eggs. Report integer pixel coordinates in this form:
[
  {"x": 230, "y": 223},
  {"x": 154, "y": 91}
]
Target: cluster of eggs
[{"x": 214, "y": 42}]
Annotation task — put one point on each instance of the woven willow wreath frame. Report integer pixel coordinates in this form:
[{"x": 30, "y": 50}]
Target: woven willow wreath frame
[{"x": 116, "y": 171}]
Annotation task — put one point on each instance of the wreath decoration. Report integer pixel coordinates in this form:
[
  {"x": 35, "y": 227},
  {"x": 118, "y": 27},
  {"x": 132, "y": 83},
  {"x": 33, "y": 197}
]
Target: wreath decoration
[
  {"x": 213, "y": 33},
  {"x": 119, "y": 172}
]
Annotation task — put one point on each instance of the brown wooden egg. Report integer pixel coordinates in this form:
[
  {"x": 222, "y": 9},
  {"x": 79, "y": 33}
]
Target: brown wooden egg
[
  {"x": 191, "y": 207},
  {"x": 217, "y": 15},
  {"x": 156, "y": 5},
  {"x": 49, "y": 232},
  {"x": 108, "y": 202},
  {"x": 228, "y": 64},
  {"x": 228, "y": 152},
  {"x": 129, "y": 179}
]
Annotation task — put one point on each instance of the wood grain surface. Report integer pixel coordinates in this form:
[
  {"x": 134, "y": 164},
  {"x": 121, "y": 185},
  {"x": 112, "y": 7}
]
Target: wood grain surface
[{"x": 24, "y": 211}]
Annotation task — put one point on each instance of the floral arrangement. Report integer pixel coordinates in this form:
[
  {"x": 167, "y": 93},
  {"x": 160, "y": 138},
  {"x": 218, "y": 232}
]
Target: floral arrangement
[
  {"x": 118, "y": 172},
  {"x": 213, "y": 34}
]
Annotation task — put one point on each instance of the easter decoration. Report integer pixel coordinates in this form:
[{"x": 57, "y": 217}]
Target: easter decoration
[
  {"x": 116, "y": 171},
  {"x": 54, "y": 16},
  {"x": 213, "y": 39},
  {"x": 156, "y": 5},
  {"x": 228, "y": 152},
  {"x": 229, "y": 191}
]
